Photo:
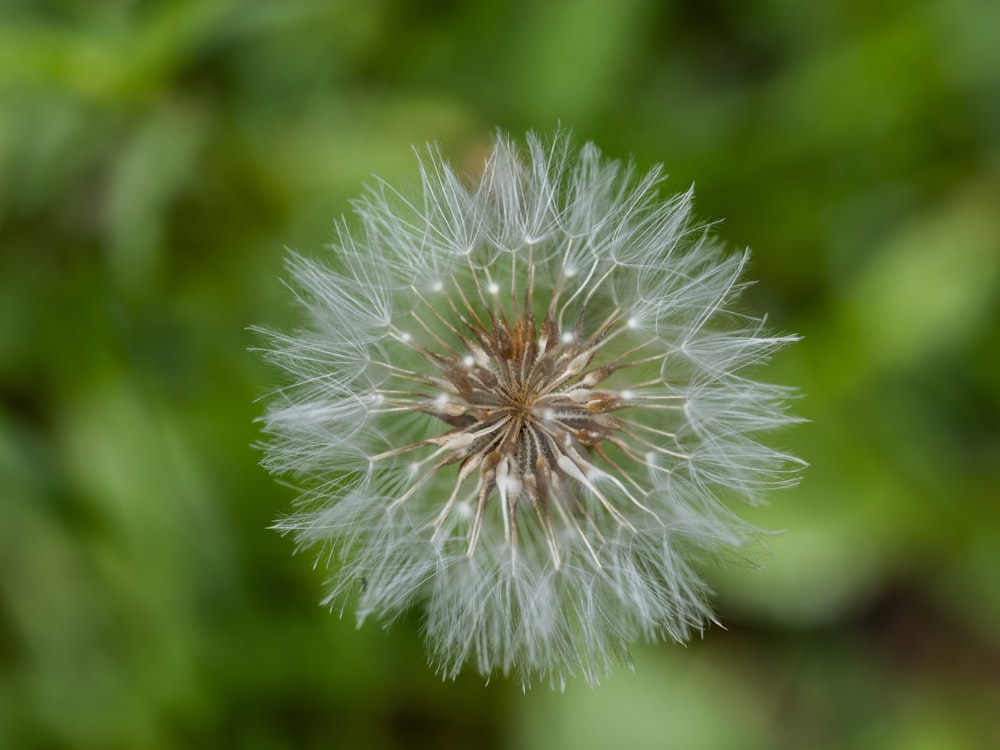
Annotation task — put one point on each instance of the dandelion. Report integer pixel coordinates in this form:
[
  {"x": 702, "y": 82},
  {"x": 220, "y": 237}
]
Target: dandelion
[{"x": 522, "y": 404}]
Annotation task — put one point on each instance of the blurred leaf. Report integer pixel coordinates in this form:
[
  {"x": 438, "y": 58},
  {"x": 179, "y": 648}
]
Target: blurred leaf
[
  {"x": 568, "y": 54},
  {"x": 675, "y": 698},
  {"x": 152, "y": 169},
  {"x": 934, "y": 285}
]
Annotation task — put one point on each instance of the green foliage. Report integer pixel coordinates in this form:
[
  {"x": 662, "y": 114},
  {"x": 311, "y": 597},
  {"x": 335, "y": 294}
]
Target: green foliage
[{"x": 156, "y": 157}]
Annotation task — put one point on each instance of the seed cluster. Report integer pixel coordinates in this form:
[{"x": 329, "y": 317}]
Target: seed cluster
[
  {"x": 523, "y": 404},
  {"x": 527, "y": 412}
]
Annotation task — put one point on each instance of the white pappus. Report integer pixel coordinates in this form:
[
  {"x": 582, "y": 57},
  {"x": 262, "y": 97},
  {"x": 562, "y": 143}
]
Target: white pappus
[{"x": 524, "y": 404}]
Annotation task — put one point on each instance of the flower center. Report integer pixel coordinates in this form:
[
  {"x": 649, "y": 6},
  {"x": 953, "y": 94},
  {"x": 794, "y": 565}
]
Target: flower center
[
  {"x": 526, "y": 417},
  {"x": 533, "y": 420}
]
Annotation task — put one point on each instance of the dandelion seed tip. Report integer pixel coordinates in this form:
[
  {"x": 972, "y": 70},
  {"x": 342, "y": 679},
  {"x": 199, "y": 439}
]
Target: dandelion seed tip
[
  {"x": 548, "y": 414},
  {"x": 567, "y": 338},
  {"x": 468, "y": 360},
  {"x": 493, "y": 288},
  {"x": 512, "y": 486},
  {"x": 627, "y": 395},
  {"x": 632, "y": 323}
]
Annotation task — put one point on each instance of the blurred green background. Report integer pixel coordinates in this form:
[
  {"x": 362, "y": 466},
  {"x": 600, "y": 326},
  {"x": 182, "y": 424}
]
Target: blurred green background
[{"x": 157, "y": 157}]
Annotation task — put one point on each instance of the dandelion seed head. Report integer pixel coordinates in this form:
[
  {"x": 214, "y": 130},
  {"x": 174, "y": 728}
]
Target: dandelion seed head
[{"x": 525, "y": 461}]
